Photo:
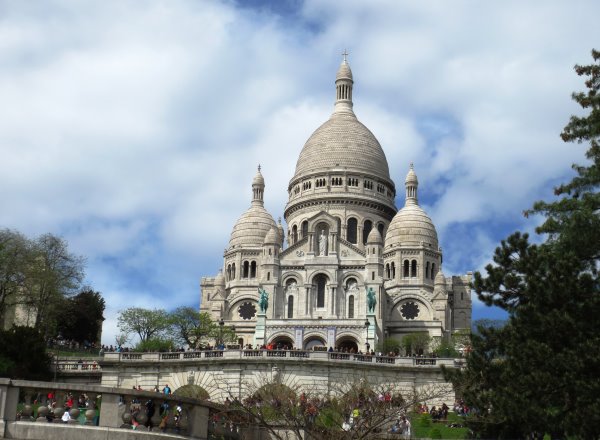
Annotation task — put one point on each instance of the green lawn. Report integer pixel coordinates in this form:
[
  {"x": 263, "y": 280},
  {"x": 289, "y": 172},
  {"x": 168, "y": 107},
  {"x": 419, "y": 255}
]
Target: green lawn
[{"x": 424, "y": 427}]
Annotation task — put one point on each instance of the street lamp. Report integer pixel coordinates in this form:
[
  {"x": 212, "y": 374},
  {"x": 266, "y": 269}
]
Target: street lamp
[
  {"x": 221, "y": 324},
  {"x": 367, "y": 324}
]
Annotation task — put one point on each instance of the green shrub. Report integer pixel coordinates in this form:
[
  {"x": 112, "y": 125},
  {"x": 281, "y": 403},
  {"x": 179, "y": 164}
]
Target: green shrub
[{"x": 424, "y": 421}]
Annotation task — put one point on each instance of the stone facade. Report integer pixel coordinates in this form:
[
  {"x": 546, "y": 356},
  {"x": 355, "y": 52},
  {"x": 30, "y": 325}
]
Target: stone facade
[{"x": 344, "y": 238}]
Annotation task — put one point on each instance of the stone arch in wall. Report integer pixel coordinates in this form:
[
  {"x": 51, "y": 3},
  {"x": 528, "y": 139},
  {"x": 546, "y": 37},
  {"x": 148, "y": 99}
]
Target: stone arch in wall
[
  {"x": 193, "y": 391},
  {"x": 320, "y": 281},
  {"x": 284, "y": 340},
  {"x": 347, "y": 343},
  {"x": 312, "y": 341}
]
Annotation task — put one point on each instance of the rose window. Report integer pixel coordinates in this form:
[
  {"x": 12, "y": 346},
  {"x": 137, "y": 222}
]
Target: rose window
[
  {"x": 247, "y": 310},
  {"x": 409, "y": 310}
]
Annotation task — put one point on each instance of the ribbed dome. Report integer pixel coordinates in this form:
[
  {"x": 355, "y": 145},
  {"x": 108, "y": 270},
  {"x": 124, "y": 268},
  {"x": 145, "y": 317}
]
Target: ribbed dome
[
  {"x": 220, "y": 279},
  {"x": 440, "y": 279},
  {"x": 374, "y": 237},
  {"x": 343, "y": 142},
  {"x": 258, "y": 178},
  {"x": 251, "y": 228},
  {"x": 344, "y": 71},
  {"x": 411, "y": 225},
  {"x": 272, "y": 236}
]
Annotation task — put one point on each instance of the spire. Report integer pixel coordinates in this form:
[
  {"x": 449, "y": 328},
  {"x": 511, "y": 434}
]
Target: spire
[
  {"x": 258, "y": 188},
  {"x": 411, "y": 183},
  {"x": 343, "y": 87}
]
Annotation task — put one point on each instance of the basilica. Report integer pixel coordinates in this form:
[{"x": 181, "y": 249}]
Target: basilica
[{"x": 351, "y": 270}]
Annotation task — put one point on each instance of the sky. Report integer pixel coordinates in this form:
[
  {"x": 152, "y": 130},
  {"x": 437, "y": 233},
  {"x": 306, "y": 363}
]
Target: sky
[{"x": 133, "y": 130}]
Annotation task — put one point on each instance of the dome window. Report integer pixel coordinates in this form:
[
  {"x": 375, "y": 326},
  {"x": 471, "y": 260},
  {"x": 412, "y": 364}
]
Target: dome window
[
  {"x": 352, "y": 181},
  {"x": 393, "y": 270},
  {"x": 290, "y": 307},
  {"x": 368, "y": 184},
  {"x": 351, "y": 232},
  {"x": 413, "y": 268},
  {"x": 380, "y": 189},
  {"x": 253, "y": 269},
  {"x": 294, "y": 234},
  {"x": 337, "y": 181},
  {"x": 304, "y": 228},
  {"x": 321, "y": 281},
  {"x": 406, "y": 272},
  {"x": 368, "y": 225},
  {"x": 427, "y": 270},
  {"x": 246, "y": 271}
]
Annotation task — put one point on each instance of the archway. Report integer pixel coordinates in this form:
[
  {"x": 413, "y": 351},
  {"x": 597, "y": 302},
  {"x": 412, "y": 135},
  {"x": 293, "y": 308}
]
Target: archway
[
  {"x": 193, "y": 391},
  {"x": 282, "y": 342},
  {"x": 347, "y": 344},
  {"x": 314, "y": 341}
]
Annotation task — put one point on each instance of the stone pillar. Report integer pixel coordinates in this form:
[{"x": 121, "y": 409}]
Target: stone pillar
[
  {"x": 109, "y": 411},
  {"x": 333, "y": 301},
  {"x": 260, "y": 330},
  {"x": 198, "y": 422},
  {"x": 333, "y": 249},
  {"x": 311, "y": 243}
]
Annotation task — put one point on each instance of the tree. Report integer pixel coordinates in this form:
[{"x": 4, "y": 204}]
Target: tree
[
  {"x": 538, "y": 373},
  {"x": 83, "y": 316},
  {"x": 13, "y": 255},
  {"x": 192, "y": 328},
  {"x": 145, "y": 323},
  {"x": 358, "y": 410},
  {"x": 23, "y": 354},
  {"x": 416, "y": 343},
  {"x": 51, "y": 274}
]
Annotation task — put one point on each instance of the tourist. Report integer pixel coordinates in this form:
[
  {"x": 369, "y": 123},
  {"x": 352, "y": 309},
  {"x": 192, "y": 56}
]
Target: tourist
[{"x": 167, "y": 389}]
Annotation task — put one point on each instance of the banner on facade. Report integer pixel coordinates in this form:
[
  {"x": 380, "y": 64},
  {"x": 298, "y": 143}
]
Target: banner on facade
[
  {"x": 299, "y": 337},
  {"x": 331, "y": 337}
]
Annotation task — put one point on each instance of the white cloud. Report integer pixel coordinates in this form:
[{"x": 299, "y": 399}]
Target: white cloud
[{"x": 135, "y": 131}]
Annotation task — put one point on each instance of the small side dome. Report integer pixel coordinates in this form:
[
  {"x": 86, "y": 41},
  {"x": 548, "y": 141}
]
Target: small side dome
[
  {"x": 220, "y": 279},
  {"x": 411, "y": 226},
  {"x": 374, "y": 237},
  {"x": 440, "y": 279},
  {"x": 272, "y": 236},
  {"x": 251, "y": 228}
]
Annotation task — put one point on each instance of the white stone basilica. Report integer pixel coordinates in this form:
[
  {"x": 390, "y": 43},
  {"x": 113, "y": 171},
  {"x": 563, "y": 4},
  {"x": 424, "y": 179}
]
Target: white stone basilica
[{"x": 345, "y": 237}]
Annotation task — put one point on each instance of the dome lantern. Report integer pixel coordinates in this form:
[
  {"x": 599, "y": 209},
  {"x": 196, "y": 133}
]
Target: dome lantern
[
  {"x": 343, "y": 87},
  {"x": 258, "y": 188},
  {"x": 411, "y": 183}
]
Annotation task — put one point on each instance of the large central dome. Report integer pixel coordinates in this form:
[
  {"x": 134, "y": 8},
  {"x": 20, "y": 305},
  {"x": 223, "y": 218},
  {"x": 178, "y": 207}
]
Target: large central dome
[{"x": 342, "y": 143}]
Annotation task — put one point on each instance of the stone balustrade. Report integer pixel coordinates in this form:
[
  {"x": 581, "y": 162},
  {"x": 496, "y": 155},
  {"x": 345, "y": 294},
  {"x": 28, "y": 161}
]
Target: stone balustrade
[
  {"x": 26, "y": 412},
  {"x": 290, "y": 355}
]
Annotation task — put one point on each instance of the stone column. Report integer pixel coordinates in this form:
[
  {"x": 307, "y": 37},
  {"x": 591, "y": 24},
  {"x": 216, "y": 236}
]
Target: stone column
[
  {"x": 333, "y": 301},
  {"x": 109, "y": 411}
]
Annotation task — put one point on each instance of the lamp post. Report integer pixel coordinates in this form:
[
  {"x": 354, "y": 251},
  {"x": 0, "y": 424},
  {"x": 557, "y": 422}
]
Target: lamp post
[
  {"x": 367, "y": 324},
  {"x": 221, "y": 324}
]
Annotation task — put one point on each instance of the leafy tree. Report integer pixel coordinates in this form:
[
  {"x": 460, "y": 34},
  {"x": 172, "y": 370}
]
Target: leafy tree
[
  {"x": 82, "y": 317},
  {"x": 192, "y": 328},
  {"x": 156, "y": 344},
  {"x": 416, "y": 343},
  {"x": 23, "y": 354},
  {"x": 51, "y": 274},
  {"x": 13, "y": 255},
  {"x": 197, "y": 329},
  {"x": 538, "y": 373},
  {"x": 145, "y": 323},
  {"x": 389, "y": 345}
]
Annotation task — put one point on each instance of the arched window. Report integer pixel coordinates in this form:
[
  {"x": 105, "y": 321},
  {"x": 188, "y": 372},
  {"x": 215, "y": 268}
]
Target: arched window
[
  {"x": 253, "y": 270},
  {"x": 393, "y": 270},
  {"x": 246, "y": 269},
  {"x": 290, "y": 308},
  {"x": 432, "y": 271},
  {"x": 387, "y": 271},
  {"x": 406, "y": 269},
  {"x": 229, "y": 272},
  {"x": 304, "y": 228},
  {"x": 320, "y": 281},
  {"x": 368, "y": 225},
  {"x": 351, "y": 230},
  {"x": 427, "y": 270},
  {"x": 233, "y": 271},
  {"x": 413, "y": 268},
  {"x": 380, "y": 227},
  {"x": 268, "y": 276},
  {"x": 294, "y": 234},
  {"x": 351, "y": 307}
]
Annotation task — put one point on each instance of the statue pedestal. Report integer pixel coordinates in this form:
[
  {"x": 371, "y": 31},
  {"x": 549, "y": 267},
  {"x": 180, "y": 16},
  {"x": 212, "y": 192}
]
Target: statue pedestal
[
  {"x": 372, "y": 330},
  {"x": 261, "y": 329}
]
